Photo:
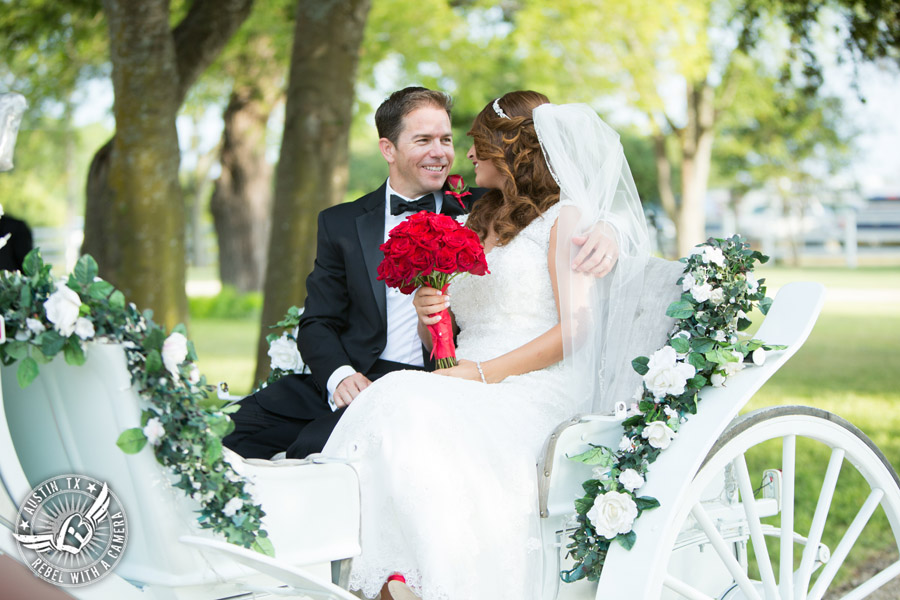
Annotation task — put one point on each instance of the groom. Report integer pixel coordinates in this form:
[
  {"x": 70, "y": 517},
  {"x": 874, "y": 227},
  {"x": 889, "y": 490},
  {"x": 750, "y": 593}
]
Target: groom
[{"x": 354, "y": 329}]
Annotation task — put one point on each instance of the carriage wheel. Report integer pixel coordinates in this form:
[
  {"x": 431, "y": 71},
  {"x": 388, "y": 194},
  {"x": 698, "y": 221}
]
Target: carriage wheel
[{"x": 797, "y": 555}]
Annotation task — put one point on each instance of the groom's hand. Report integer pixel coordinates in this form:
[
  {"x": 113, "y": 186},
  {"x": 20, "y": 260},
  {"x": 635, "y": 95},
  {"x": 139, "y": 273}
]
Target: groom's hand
[
  {"x": 349, "y": 388},
  {"x": 599, "y": 251}
]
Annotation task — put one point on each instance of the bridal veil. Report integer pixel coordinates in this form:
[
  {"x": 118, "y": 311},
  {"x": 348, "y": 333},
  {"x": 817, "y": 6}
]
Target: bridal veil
[{"x": 586, "y": 158}]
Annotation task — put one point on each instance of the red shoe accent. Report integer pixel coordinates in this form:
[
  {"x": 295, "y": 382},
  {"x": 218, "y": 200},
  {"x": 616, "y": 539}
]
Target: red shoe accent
[{"x": 397, "y": 577}]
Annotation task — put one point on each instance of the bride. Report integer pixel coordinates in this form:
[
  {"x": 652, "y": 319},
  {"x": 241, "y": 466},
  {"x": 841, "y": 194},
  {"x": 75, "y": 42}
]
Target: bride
[{"x": 446, "y": 460}]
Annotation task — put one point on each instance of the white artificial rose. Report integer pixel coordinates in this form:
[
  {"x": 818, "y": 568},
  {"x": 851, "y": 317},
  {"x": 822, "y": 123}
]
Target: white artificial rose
[
  {"x": 688, "y": 282},
  {"x": 719, "y": 336},
  {"x": 713, "y": 255},
  {"x": 752, "y": 283},
  {"x": 626, "y": 444},
  {"x": 717, "y": 296},
  {"x": 232, "y": 506},
  {"x": 154, "y": 431},
  {"x": 174, "y": 351},
  {"x": 194, "y": 375},
  {"x": 717, "y": 379},
  {"x": 62, "y": 309},
  {"x": 285, "y": 355},
  {"x": 701, "y": 293},
  {"x": 731, "y": 368},
  {"x": 600, "y": 473},
  {"x": 666, "y": 374},
  {"x": 35, "y": 326},
  {"x": 613, "y": 513},
  {"x": 670, "y": 412},
  {"x": 631, "y": 479},
  {"x": 759, "y": 357},
  {"x": 658, "y": 434},
  {"x": 84, "y": 328}
]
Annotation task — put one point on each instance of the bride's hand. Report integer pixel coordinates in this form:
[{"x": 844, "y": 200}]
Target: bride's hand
[
  {"x": 466, "y": 369},
  {"x": 429, "y": 301}
]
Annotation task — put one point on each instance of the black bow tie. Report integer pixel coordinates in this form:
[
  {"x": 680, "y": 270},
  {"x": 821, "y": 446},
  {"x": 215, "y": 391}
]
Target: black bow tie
[{"x": 401, "y": 205}]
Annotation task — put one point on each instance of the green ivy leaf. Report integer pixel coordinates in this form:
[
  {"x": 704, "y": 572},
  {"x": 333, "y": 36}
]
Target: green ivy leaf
[
  {"x": 27, "y": 371},
  {"x": 583, "y": 505},
  {"x": 702, "y": 345},
  {"x": 231, "y": 408},
  {"x": 155, "y": 338},
  {"x": 52, "y": 342},
  {"x": 698, "y": 382},
  {"x": 213, "y": 450},
  {"x": 720, "y": 357},
  {"x": 765, "y": 304},
  {"x": 85, "y": 270},
  {"x": 646, "y": 503},
  {"x": 681, "y": 309},
  {"x": 74, "y": 352},
  {"x": 680, "y": 344},
  {"x": 639, "y": 364},
  {"x": 16, "y": 349},
  {"x": 573, "y": 575},
  {"x": 597, "y": 455},
  {"x": 263, "y": 544},
  {"x": 25, "y": 298},
  {"x": 154, "y": 362},
  {"x": 117, "y": 300},
  {"x": 697, "y": 360},
  {"x": 220, "y": 425},
  {"x": 100, "y": 290},
  {"x": 33, "y": 262},
  {"x": 627, "y": 539},
  {"x": 132, "y": 441}
]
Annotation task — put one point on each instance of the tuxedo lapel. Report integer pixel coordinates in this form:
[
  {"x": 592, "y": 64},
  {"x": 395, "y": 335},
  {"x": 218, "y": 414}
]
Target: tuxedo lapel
[{"x": 370, "y": 229}]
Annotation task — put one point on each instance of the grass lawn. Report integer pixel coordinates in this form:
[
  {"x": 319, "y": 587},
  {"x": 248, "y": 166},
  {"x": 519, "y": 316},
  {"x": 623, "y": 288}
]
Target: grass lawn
[
  {"x": 226, "y": 349},
  {"x": 849, "y": 366}
]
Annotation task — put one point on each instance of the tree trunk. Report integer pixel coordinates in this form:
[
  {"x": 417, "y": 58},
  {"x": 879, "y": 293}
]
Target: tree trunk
[
  {"x": 313, "y": 166},
  {"x": 664, "y": 175},
  {"x": 241, "y": 203},
  {"x": 134, "y": 216},
  {"x": 696, "y": 146},
  {"x": 147, "y": 207}
]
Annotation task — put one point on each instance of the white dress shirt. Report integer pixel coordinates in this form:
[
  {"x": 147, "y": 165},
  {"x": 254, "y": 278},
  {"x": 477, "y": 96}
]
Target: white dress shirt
[{"x": 403, "y": 343}]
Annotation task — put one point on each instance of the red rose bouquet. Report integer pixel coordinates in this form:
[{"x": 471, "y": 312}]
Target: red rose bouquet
[{"x": 431, "y": 249}]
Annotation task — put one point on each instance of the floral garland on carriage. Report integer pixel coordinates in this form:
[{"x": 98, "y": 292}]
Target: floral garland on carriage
[
  {"x": 704, "y": 348},
  {"x": 45, "y": 317}
]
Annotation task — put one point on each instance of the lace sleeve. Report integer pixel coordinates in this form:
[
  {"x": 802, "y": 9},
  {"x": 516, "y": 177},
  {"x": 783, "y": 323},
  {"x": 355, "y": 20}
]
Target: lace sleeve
[{"x": 539, "y": 230}]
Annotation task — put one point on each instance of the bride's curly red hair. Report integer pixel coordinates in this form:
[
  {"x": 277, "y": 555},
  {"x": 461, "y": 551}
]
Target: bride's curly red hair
[{"x": 512, "y": 146}]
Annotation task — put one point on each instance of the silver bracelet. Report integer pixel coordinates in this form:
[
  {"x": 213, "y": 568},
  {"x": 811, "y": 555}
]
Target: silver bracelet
[{"x": 480, "y": 371}]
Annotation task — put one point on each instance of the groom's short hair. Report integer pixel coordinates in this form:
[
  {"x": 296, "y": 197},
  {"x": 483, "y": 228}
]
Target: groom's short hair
[{"x": 389, "y": 116}]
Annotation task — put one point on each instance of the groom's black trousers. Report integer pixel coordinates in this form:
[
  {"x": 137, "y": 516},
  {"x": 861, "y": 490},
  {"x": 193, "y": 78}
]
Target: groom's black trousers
[{"x": 291, "y": 416}]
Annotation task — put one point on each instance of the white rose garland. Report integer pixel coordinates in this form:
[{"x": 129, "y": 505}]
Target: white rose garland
[{"x": 719, "y": 290}]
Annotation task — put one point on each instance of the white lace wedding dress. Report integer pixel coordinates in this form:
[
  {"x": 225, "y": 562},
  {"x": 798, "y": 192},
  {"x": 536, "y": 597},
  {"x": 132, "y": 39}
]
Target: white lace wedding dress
[{"x": 447, "y": 466}]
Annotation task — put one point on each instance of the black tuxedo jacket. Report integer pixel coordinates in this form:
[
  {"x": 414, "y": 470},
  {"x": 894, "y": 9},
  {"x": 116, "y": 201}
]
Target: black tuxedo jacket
[{"x": 344, "y": 321}]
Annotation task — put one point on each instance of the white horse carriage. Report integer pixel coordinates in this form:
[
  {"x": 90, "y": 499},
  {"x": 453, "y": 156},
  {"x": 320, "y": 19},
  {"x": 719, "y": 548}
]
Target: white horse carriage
[{"x": 726, "y": 528}]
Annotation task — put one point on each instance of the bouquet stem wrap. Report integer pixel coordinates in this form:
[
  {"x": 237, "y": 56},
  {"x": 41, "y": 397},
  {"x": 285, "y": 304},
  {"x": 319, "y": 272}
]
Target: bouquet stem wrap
[{"x": 443, "y": 350}]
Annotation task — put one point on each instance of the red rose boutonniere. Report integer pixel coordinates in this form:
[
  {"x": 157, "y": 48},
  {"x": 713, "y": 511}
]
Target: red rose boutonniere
[
  {"x": 456, "y": 187},
  {"x": 431, "y": 249}
]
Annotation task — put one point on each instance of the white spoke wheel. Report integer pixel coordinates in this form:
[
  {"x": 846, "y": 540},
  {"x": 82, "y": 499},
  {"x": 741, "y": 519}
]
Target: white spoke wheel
[{"x": 785, "y": 544}]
